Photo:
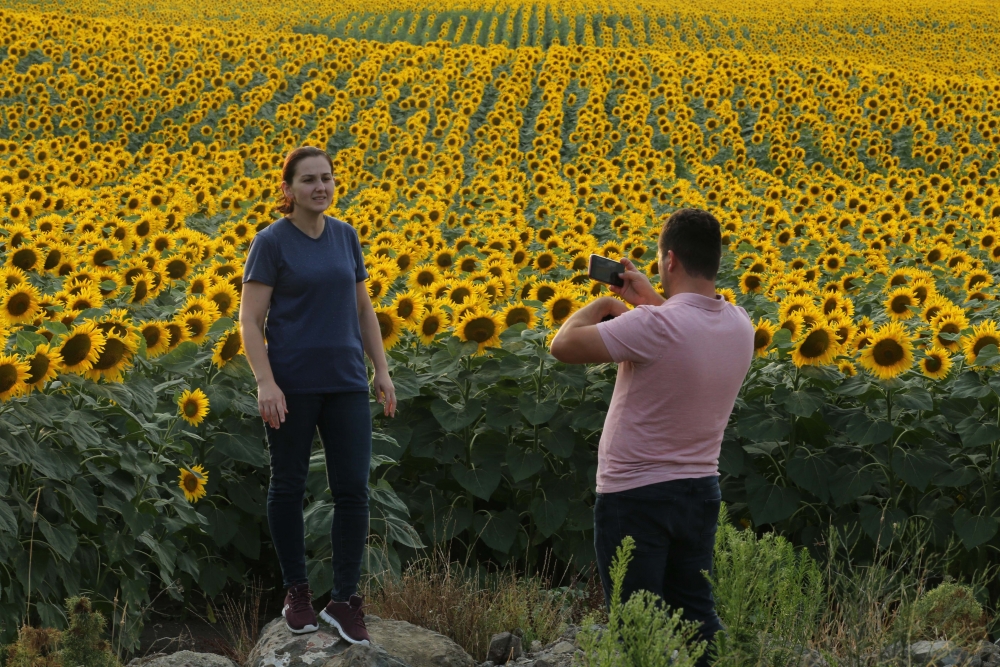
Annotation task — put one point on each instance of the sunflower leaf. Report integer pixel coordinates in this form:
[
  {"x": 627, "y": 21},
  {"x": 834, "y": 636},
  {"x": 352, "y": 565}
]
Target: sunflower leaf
[
  {"x": 988, "y": 356},
  {"x": 974, "y": 530}
]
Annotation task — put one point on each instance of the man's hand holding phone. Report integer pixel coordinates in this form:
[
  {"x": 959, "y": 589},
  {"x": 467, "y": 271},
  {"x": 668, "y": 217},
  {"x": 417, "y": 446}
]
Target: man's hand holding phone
[{"x": 636, "y": 290}]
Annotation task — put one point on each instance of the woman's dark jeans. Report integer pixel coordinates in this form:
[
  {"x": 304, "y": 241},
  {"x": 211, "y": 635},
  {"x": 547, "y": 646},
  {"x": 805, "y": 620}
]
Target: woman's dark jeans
[
  {"x": 345, "y": 427},
  {"x": 673, "y": 524}
]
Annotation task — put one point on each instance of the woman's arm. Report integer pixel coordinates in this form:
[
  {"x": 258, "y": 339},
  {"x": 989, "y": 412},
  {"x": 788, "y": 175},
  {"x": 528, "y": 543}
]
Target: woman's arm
[
  {"x": 371, "y": 339},
  {"x": 254, "y": 302}
]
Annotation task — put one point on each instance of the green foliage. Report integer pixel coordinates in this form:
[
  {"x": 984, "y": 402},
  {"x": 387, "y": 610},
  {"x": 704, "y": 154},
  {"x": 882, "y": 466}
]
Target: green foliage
[
  {"x": 769, "y": 595},
  {"x": 641, "y": 632},
  {"x": 948, "y": 611},
  {"x": 81, "y": 645}
]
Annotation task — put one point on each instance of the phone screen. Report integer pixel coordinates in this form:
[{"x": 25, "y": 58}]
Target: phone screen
[{"x": 606, "y": 270}]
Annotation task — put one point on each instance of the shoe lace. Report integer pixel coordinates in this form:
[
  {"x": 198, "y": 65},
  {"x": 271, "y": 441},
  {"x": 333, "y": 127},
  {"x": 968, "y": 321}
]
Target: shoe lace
[
  {"x": 359, "y": 615},
  {"x": 301, "y": 598}
]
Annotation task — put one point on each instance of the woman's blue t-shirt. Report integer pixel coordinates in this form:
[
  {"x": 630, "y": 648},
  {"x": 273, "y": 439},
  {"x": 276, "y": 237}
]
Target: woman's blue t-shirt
[{"x": 312, "y": 328}]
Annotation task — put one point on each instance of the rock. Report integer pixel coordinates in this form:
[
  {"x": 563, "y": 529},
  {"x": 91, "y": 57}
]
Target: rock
[
  {"x": 189, "y": 659},
  {"x": 938, "y": 654},
  {"x": 414, "y": 645},
  {"x": 365, "y": 656},
  {"x": 536, "y": 646},
  {"x": 279, "y": 647},
  {"x": 504, "y": 647},
  {"x": 988, "y": 654}
]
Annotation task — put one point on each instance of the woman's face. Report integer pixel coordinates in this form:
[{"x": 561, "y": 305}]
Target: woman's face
[{"x": 312, "y": 186}]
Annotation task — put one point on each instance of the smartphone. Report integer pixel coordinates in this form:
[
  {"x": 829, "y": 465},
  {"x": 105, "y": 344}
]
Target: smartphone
[{"x": 606, "y": 270}]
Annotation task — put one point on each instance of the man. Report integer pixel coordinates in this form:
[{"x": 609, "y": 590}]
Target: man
[{"x": 681, "y": 362}]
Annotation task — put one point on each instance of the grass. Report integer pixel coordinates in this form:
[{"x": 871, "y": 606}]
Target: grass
[{"x": 471, "y": 602}]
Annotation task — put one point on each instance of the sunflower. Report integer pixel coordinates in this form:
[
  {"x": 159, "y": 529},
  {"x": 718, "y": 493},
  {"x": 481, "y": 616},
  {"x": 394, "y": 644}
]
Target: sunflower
[
  {"x": 20, "y": 304},
  {"x": 176, "y": 334},
  {"x": 794, "y": 324},
  {"x": 462, "y": 290},
  {"x": 230, "y": 346},
  {"x": 481, "y": 327},
  {"x": 43, "y": 366},
  {"x": 793, "y": 304},
  {"x": 847, "y": 367},
  {"x": 950, "y": 321},
  {"x": 192, "y": 482},
  {"x": 200, "y": 284},
  {"x": 226, "y": 299},
  {"x": 114, "y": 359},
  {"x": 196, "y": 325},
  {"x": 81, "y": 348},
  {"x": 142, "y": 288},
  {"x": 13, "y": 372},
  {"x": 902, "y": 303},
  {"x": 560, "y": 306},
  {"x": 542, "y": 291},
  {"x": 408, "y": 306},
  {"x": 982, "y": 335},
  {"x": 727, "y": 294},
  {"x": 890, "y": 351},
  {"x": 390, "y": 326},
  {"x": 515, "y": 313},
  {"x": 192, "y": 406},
  {"x": 431, "y": 323},
  {"x": 762, "y": 336},
  {"x": 936, "y": 363},
  {"x": 817, "y": 347},
  {"x": 752, "y": 282}
]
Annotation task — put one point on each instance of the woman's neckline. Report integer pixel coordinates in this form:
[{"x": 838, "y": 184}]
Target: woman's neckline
[{"x": 326, "y": 224}]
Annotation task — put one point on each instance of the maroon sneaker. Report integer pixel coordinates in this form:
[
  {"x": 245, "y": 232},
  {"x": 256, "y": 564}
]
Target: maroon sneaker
[
  {"x": 300, "y": 617},
  {"x": 349, "y": 619}
]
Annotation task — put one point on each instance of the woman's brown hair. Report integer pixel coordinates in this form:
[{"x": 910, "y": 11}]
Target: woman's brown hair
[{"x": 288, "y": 171}]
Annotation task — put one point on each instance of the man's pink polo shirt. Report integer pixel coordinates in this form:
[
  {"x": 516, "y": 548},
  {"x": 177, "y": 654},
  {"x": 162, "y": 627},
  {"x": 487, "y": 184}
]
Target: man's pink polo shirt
[{"x": 680, "y": 367}]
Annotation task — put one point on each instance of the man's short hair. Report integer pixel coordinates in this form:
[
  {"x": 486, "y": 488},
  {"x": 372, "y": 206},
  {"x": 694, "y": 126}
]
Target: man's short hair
[{"x": 695, "y": 236}]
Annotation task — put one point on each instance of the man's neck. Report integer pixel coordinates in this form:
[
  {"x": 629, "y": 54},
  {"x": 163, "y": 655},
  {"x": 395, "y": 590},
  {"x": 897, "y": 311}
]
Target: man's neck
[{"x": 705, "y": 288}]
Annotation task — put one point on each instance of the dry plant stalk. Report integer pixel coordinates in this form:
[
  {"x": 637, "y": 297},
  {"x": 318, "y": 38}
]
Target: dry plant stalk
[{"x": 240, "y": 619}]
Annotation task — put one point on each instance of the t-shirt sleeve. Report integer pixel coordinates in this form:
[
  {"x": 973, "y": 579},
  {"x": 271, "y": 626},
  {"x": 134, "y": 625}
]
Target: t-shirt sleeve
[
  {"x": 261, "y": 264},
  {"x": 360, "y": 273},
  {"x": 627, "y": 336}
]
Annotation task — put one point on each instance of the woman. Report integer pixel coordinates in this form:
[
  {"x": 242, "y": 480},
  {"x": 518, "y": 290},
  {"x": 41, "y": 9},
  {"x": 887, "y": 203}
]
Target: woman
[{"x": 304, "y": 289}]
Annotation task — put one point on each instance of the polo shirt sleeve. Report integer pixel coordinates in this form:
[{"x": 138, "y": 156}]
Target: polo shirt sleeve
[
  {"x": 360, "y": 273},
  {"x": 262, "y": 262},
  {"x": 627, "y": 336}
]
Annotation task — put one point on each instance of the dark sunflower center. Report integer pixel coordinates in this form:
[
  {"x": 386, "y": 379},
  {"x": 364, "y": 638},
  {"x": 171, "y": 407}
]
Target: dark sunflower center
[
  {"x": 976, "y": 280},
  {"x": 385, "y": 325},
  {"x": 516, "y": 315},
  {"x": 114, "y": 351},
  {"x": 18, "y": 304},
  {"x": 177, "y": 269},
  {"x": 173, "y": 335},
  {"x": 901, "y": 304},
  {"x": 425, "y": 278},
  {"x": 761, "y": 339},
  {"x": 191, "y": 483},
  {"x": 195, "y": 326},
  {"x": 545, "y": 293},
  {"x": 459, "y": 294},
  {"x": 481, "y": 329},
  {"x": 152, "y": 336},
  {"x": 545, "y": 261},
  {"x": 983, "y": 342},
  {"x": 231, "y": 347},
  {"x": 76, "y": 349},
  {"x": 191, "y": 409},
  {"x": 561, "y": 309},
  {"x": 405, "y": 308},
  {"x": 25, "y": 258},
  {"x": 141, "y": 289},
  {"x": 38, "y": 367},
  {"x": 887, "y": 352},
  {"x": 102, "y": 256},
  {"x": 8, "y": 377},
  {"x": 430, "y": 325},
  {"x": 816, "y": 344},
  {"x": 933, "y": 363},
  {"x": 224, "y": 302}
]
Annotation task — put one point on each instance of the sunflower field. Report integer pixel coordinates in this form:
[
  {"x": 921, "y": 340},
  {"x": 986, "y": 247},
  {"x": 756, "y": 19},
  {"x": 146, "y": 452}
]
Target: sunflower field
[{"x": 483, "y": 152}]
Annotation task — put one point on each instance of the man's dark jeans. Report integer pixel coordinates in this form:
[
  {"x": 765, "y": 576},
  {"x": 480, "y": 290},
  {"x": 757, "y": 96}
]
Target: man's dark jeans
[
  {"x": 345, "y": 427},
  {"x": 673, "y": 524}
]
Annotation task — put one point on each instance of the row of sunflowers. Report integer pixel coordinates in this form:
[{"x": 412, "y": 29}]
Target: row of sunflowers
[{"x": 140, "y": 157}]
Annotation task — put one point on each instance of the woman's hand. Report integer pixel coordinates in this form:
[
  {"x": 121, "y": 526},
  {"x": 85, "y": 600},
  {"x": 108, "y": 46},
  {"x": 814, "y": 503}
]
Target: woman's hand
[
  {"x": 271, "y": 403},
  {"x": 637, "y": 289},
  {"x": 385, "y": 392}
]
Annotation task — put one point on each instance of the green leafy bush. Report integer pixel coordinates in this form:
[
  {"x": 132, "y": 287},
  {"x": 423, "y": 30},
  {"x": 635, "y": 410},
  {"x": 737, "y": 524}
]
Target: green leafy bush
[
  {"x": 81, "y": 645},
  {"x": 949, "y": 611},
  {"x": 641, "y": 632},
  {"x": 768, "y": 593}
]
